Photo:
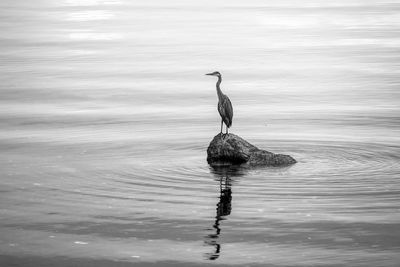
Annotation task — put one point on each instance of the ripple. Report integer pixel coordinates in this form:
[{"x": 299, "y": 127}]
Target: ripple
[{"x": 348, "y": 158}]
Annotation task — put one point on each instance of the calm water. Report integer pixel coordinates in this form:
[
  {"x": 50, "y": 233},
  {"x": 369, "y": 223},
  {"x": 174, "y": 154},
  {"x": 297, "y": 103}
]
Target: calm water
[{"x": 105, "y": 117}]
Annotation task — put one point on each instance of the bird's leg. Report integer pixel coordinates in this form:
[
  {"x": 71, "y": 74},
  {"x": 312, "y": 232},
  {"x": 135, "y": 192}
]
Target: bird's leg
[
  {"x": 226, "y": 130},
  {"x": 221, "y": 126}
]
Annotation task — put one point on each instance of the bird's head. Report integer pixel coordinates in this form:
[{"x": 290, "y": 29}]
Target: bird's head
[{"x": 215, "y": 73}]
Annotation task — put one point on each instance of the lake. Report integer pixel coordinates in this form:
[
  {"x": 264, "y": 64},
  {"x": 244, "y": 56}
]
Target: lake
[{"x": 106, "y": 116}]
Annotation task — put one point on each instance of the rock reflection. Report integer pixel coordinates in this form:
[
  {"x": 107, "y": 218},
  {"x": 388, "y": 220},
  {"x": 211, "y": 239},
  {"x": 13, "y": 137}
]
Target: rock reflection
[{"x": 224, "y": 176}]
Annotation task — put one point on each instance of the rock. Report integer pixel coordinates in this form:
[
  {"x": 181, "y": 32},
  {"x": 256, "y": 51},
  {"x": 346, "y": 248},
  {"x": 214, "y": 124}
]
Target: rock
[{"x": 231, "y": 149}]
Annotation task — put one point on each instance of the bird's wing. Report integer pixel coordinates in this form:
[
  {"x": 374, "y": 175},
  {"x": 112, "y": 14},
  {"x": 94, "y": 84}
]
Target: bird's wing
[
  {"x": 221, "y": 109},
  {"x": 228, "y": 111}
]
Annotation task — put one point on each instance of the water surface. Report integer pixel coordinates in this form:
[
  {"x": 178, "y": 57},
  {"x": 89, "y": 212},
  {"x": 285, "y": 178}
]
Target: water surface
[{"x": 106, "y": 115}]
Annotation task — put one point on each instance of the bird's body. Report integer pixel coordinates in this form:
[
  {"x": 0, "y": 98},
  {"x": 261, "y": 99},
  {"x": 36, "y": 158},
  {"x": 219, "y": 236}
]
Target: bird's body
[
  {"x": 224, "y": 104},
  {"x": 225, "y": 110}
]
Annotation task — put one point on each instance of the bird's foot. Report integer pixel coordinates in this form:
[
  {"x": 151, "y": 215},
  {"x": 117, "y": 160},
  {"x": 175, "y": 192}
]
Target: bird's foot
[{"x": 224, "y": 135}]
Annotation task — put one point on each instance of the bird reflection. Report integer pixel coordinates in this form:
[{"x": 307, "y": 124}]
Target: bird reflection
[{"x": 224, "y": 207}]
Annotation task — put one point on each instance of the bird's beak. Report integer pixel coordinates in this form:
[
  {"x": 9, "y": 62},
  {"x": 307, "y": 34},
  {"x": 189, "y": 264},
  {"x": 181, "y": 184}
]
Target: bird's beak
[{"x": 209, "y": 74}]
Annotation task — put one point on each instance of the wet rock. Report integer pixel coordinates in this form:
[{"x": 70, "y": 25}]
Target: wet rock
[{"x": 232, "y": 149}]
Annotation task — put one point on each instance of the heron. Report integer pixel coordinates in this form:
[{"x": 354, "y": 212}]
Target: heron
[{"x": 224, "y": 104}]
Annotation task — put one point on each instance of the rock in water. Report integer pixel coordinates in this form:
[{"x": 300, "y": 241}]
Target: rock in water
[{"x": 231, "y": 149}]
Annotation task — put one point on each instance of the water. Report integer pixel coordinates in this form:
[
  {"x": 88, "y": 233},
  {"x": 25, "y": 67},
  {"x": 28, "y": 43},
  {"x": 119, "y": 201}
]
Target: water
[{"x": 106, "y": 115}]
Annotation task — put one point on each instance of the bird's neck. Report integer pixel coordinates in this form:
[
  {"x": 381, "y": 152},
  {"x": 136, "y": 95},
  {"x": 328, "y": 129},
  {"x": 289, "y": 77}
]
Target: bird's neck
[{"x": 219, "y": 92}]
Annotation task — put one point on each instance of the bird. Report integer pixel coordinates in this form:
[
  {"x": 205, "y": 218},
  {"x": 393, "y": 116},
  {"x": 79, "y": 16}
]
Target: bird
[{"x": 224, "y": 104}]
